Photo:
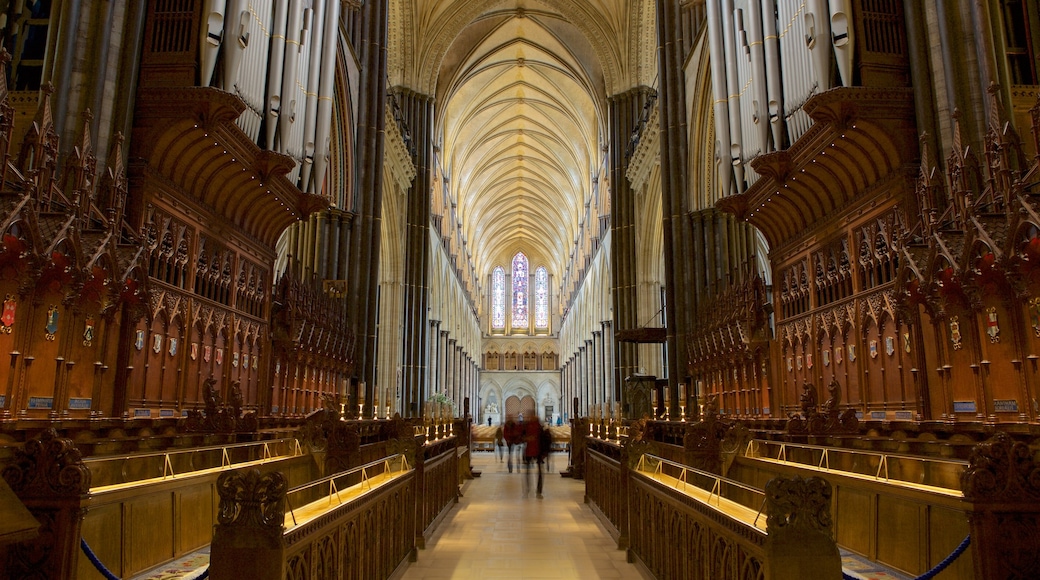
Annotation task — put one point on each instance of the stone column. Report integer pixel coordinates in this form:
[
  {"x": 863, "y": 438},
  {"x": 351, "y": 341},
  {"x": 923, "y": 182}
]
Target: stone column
[
  {"x": 361, "y": 273},
  {"x": 625, "y": 110},
  {"x": 675, "y": 230},
  {"x": 418, "y": 114}
]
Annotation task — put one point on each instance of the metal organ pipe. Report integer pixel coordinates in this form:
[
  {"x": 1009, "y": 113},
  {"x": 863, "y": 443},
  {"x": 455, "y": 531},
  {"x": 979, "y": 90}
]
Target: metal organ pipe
[
  {"x": 294, "y": 143},
  {"x": 841, "y": 38},
  {"x": 233, "y": 47},
  {"x": 799, "y": 81},
  {"x": 718, "y": 88},
  {"x": 256, "y": 42},
  {"x": 313, "y": 74},
  {"x": 758, "y": 74},
  {"x": 326, "y": 90},
  {"x": 733, "y": 90},
  {"x": 752, "y": 143},
  {"x": 774, "y": 90},
  {"x": 292, "y": 61},
  {"x": 211, "y": 37},
  {"x": 818, "y": 38},
  {"x": 274, "y": 72}
]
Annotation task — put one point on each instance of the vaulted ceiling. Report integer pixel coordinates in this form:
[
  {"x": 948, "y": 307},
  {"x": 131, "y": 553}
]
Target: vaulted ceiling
[{"x": 520, "y": 88}]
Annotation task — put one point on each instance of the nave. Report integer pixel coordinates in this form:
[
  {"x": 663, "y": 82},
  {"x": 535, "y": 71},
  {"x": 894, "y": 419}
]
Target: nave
[{"x": 497, "y": 532}]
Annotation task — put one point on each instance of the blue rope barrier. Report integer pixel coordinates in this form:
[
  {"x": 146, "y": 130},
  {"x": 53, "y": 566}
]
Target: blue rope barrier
[
  {"x": 938, "y": 567},
  {"x": 94, "y": 560},
  {"x": 108, "y": 573}
]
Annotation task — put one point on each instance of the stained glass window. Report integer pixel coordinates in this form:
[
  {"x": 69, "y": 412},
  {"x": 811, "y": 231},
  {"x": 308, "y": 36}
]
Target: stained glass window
[
  {"x": 498, "y": 299},
  {"x": 520, "y": 296},
  {"x": 541, "y": 298}
]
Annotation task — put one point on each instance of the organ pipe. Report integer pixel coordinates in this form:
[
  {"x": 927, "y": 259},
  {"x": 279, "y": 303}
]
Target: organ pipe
[
  {"x": 733, "y": 91},
  {"x": 292, "y": 62},
  {"x": 274, "y": 71},
  {"x": 841, "y": 38},
  {"x": 255, "y": 43},
  {"x": 718, "y": 87},
  {"x": 758, "y": 74},
  {"x": 818, "y": 39},
  {"x": 233, "y": 32},
  {"x": 212, "y": 35},
  {"x": 326, "y": 90},
  {"x": 774, "y": 90},
  {"x": 311, "y": 99}
]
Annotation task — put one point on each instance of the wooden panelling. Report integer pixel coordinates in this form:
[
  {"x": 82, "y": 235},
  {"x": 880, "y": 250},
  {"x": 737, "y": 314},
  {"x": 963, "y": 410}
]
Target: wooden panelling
[
  {"x": 102, "y": 529},
  {"x": 948, "y": 528},
  {"x": 900, "y": 534},
  {"x": 194, "y": 510},
  {"x": 907, "y": 529},
  {"x": 854, "y": 516},
  {"x": 137, "y": 528},
  {"x": 148, "y": 521}
]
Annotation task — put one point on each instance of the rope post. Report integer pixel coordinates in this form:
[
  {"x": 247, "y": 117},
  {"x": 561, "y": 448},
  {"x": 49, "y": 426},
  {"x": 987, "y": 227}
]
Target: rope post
[{"x": 1002, "y": 488}]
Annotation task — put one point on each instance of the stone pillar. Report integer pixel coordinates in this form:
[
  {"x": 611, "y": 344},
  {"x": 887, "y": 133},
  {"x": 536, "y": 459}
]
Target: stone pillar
[
  {"x": 679, "y": 301},
  {"x": 362, "y": 273},
  {"x": 418, "y": 114},
  {"x": 1002, "y": 488},
  {"x": 50, "y": 479},
  {"x": 625, "y": 110}
]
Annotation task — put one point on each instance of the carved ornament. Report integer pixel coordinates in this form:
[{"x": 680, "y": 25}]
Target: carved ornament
[
  {"x": 1001, "y": 470},
  {"x": 48, "y": 466},
  {"x": 252, "y": 500},
  {"x": 799, "y": 504}
]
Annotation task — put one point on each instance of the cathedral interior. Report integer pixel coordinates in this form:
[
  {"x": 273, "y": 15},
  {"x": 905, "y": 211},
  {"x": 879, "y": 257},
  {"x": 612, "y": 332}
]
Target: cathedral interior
[{"x": 253, "y": 249}]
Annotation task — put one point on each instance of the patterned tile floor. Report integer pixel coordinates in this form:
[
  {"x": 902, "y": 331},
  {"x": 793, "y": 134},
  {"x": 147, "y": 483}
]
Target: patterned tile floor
[
  {"x": 498, "y": 532},
  {"x": 188, "y": 567}
]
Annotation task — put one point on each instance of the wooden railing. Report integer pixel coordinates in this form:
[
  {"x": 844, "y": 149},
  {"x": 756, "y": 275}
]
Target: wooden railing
[
  {"x": 148, "y": 508},
  {"x": 683, "y": 522},
  {"x": 438, "y": 484},
  {"x": 903, "y": 512}
]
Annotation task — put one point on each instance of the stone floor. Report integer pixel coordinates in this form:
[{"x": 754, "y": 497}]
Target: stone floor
[{"x": 497, "y": 531}]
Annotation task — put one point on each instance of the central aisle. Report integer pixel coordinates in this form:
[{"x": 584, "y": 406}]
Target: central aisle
[{"x": 496, "y": 532}]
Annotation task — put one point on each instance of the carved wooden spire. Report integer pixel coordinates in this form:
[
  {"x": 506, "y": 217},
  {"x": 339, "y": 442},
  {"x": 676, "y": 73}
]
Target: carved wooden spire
[
  {"x": 113, "y": 184},
  {"x": 962, "y": 171},
  {"x": 928, "y": 189},
  {"x": 40, "y": 148},
  {"x": 6, "y": 117},
  {"x": 80, "y": 171}
]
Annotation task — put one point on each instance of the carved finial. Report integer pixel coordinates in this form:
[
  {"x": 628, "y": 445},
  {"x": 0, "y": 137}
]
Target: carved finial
[
  {"x": 5, "y": 59},
  {"x": 996, "y": 114},
  {"x": 252, "y": 501},
  {"x": 44, "y": 119},
  {"x": 48, "y": 466},
  {"x": 798, "y": 504},
  {"x": 1001, "y": 470}
]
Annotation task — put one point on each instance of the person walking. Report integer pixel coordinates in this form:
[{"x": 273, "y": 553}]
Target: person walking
[
  {"x": 532, "y": 454},
  {"x": 513, "y": 437},
  {"x": 545, "y": 450},
  {"x": 500, "y": 442}
]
